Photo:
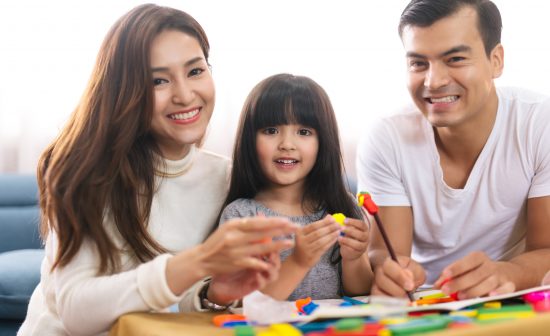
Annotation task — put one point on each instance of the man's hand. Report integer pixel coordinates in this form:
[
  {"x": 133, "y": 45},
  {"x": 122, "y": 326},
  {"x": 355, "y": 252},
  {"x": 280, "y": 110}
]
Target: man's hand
[
  {"x": 393, "y": 279},
  {"x": 473, "y": 276}
]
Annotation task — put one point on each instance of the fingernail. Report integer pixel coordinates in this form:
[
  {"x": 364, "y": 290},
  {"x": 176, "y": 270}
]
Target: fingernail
[
  {"x": 446, "y": 275},
  {"x": 409, "y": 285},
  {"x": 442, "y": 283}
]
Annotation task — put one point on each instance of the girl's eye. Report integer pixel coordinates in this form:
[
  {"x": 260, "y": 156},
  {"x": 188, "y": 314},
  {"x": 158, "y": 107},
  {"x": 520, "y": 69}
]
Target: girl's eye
[
  {"x": 305, "y": 131},
  {"x": 270, "y": 130},
  {"x": 159, "y": 81}
]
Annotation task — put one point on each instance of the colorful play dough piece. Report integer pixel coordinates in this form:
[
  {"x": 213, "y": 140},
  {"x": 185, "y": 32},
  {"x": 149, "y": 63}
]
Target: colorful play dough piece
[{"x": 339, "y": 218}]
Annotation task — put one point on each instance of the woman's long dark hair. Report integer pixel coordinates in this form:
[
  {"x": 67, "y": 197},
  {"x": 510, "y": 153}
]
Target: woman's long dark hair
[{"x": 102, "y": 163}]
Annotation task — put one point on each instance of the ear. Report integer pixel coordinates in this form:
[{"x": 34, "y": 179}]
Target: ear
[{"x": 497, "y": 60}]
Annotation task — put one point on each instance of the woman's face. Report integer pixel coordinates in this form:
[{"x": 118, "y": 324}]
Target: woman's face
[{"x": 183, "y": 90}]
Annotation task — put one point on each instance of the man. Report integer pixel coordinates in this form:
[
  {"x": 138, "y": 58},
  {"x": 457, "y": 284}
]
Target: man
[{"x": 463, "y": 178}]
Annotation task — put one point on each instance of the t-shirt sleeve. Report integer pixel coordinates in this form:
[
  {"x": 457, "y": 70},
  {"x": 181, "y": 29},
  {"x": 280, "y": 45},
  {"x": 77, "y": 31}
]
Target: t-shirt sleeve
[
  {"x": 540, "y": 185},
  {"x": 238, "y": 209},
  {"x": 378, "y": 167}
]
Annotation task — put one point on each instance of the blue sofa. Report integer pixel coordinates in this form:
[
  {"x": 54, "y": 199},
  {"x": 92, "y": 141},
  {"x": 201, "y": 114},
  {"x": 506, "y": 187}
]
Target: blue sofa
[{"x": 21, "y": 249}]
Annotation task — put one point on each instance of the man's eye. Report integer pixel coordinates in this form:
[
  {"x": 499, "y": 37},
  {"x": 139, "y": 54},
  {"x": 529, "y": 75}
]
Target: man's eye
[
  {"x": 456, "y": 59},
  {"x": 417, "y": 65}
]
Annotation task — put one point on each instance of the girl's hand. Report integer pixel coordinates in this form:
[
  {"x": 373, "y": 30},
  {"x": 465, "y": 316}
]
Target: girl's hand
[
  {"x": 354, "y": 242},
  {"x": 313, "y": 240}
]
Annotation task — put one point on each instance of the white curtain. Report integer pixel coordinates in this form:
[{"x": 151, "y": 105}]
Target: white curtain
[{"x": 351, "y": 48}]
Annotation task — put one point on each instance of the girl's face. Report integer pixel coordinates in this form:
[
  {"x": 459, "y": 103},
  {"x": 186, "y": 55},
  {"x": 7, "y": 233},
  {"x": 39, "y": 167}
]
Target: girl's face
[
  {"x": 287, "y": 153},
  {"x": 183, "y": 90}
]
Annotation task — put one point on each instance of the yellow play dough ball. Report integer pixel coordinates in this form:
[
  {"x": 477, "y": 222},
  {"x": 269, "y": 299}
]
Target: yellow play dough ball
[{"x": 339, "y": 217}]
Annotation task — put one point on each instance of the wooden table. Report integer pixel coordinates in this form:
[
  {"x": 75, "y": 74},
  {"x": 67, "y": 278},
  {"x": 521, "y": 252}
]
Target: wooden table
[
  {"x": 197, "y": 324},
  {"x": 161, "y": 324}
]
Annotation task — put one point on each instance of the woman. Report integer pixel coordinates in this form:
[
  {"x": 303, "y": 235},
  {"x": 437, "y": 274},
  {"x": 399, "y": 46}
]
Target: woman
[{"x": 127, "y": 197}]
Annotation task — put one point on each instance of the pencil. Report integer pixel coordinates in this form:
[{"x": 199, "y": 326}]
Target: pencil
[{"x": 365, "y": 201}]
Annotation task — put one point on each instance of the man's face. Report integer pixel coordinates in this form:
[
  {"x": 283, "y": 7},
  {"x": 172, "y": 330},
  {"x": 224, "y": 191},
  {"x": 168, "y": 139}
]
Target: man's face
[{"x": 450, "y": 77}]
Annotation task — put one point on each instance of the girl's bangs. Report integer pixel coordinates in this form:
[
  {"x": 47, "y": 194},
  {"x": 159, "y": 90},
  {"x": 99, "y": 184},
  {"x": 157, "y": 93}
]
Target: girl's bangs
[{"x": 284, "y": 106}]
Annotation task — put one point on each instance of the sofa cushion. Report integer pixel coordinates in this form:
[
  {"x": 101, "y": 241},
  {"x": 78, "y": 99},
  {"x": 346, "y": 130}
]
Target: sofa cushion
[
  {"x": 19, "y": 212},
  {"x": 19, "y": 275},
  {"x": 19, "y": 227}
]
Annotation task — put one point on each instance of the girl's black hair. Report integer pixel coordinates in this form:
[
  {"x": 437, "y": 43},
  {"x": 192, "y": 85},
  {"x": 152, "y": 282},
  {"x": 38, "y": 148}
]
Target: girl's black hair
[{"x": 285, "y": 99}]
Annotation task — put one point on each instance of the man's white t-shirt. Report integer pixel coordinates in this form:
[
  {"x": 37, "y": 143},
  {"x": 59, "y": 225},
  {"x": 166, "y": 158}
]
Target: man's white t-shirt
[{"x": 398, "y": 163}]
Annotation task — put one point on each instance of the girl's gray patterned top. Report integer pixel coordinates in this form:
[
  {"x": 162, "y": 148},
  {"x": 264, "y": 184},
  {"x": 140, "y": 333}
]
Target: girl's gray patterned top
[{"x": 322, "y": 281}]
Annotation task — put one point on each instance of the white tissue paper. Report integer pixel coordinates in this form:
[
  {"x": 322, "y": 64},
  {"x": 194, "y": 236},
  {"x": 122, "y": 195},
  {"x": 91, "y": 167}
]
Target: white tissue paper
[{"x": 263, "y": 309}]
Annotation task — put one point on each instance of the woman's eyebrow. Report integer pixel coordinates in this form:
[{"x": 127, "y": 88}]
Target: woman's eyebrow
[{"x": 188, "y": 63}]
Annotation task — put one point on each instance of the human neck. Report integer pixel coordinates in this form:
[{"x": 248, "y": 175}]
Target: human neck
[
  {"x": 459, "y": 147},
  {"x": 175, "y": 152},
  {"x": 286, "y": 200},
  {"x": 466, "y": 141}
]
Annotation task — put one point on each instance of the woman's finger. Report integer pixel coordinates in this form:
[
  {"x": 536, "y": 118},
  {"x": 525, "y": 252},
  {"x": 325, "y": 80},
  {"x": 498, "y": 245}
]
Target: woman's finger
[
  {"x": 258, "y": 248},
  {"x": 262, "y": 224}
]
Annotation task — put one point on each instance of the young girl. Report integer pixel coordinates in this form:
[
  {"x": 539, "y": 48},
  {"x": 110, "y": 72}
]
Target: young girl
[
  {"x": 127, "y": 198},
  {"x": 287, "y": 162}
]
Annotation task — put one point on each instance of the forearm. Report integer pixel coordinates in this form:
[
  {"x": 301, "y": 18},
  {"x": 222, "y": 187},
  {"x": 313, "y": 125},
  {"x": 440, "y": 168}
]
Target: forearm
[
  {"x": 290, "y": 276},
  {"x": 527, "y": 269},
  {"x": 140, "y": 289},
  {"x": 357, "y": 276},
  {"x": 377, "y": 257},
  {"x": 184, "y": 270}
]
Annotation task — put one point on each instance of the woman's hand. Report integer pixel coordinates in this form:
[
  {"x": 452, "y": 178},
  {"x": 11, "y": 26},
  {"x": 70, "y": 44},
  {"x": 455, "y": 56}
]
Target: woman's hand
[
  {"x": 226, "y": 288},
  {"x": 240, "y": 243},
  {"x": 241, "y": 248}
]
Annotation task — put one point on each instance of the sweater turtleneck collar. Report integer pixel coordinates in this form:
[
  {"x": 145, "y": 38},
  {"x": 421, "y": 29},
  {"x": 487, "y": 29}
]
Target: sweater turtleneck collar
[{"x": 175, "y": 168}]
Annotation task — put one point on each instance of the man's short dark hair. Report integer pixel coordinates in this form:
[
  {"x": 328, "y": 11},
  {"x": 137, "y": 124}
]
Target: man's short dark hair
[{"x": 423, "y": 13}]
